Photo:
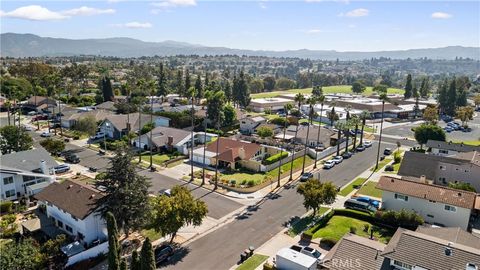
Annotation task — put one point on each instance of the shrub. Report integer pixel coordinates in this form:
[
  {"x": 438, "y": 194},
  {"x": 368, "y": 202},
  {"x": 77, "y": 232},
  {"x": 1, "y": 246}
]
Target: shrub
[
  {"x": 244, "y": 182},
  {"x": 403, "y": 218},
  {"x": 250, "y": 183},
  {"x": 396, "y": 157},
  {"x": 366, "y": 227},
  {"x": 267, "y": 266},
  {"x": 275, "y": 158},
  {"x": 353, "y": 230},
  {"x": 233, "y": 182},
  {"x": 6, "y": 207},
  {"x": 329, "y": 242}
]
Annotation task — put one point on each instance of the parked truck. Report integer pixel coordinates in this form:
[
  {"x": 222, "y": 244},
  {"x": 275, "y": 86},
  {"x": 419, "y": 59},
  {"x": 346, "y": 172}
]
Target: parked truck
[{"x": 289, "y": 259}]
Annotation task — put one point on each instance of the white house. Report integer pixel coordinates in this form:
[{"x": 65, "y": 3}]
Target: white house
[
  {"x": 448, "y": 149},
  {"x": 25, "y": 173},
  {"x": 248, "y": 124},
  {"x": 72, "y": 207},
  {"x": 437, "y": 205}
]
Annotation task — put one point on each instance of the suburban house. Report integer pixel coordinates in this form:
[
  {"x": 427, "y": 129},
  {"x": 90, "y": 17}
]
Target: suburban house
[
  {"x": 273, "y": 104},
  {"x": 107, "y": 105},
  {"x": 117, "y": 125},
  {"x": 25, "y": 173},
  {"x": 248, "y": 124},
  {"x": 447, "y": 149},
  {"x": 464, "y": 167},
  {"x": 71, "y": 120},
  {"x": 233, "y": 154},
  {"x": 274, "y": 127},
  {"x": 39, "y": 103},
  {"x": 324, "y": 140},
  {"x": 426, "y": 248},
  {"x": 437, "y": 205},
  {"x": 73, "y": 208}
]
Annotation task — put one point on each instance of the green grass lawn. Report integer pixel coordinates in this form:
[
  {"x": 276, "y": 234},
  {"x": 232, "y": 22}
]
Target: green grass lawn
[
  {"x": 338, "y": 226},
  {"x": 302, "y": 224},
  {"x": 367, "y": 129},
  {"x": 173, "y": 164},
  {"x": 369, "y": 189},
  {"x": 253, "y": 262},
  {"x": 396, "y": 166},
  {"x": 346, "y": 190},
  {"x": 151, "y": 233},
  {"x": 297, "y": 164},
  {"x": 326, "y": 90},
  {"x": 381, "y": 164},
  {"x": 240, "y": 177},
  {"x": 158, "y": 159},
  {"x": 474, "y": 142}
]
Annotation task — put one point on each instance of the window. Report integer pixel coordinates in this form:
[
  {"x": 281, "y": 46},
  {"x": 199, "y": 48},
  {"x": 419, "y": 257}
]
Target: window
[
  {"x": 443, "y": 151},
  {"x": 8, "y": 180},
  {"x": 431, "y": 216},
  {"x": 59, "y": 224},
  {"x": 443, "y": 180},
  {"x": 402, "y": 265},
  {"x": 80, "y": 235},
  {"x": 471, "y": 266},
  {"x": 401, "y": 197},
  {"x": 443, "y": 168},
  {"x": 68, "y": 228},
  {"x": 450, "y": 208},
  {"x": 10, "y": 193}
]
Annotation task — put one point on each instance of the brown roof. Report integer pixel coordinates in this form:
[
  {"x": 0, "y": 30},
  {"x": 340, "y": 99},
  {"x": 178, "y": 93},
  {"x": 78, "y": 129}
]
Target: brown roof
[
  {"x": 231, "y": 150},
  {"x": 76, "y": 199},
  {"x": 362, "y": 252},
  {"x": 430, "y": 252},
  {"x": 426, "y": 191}
]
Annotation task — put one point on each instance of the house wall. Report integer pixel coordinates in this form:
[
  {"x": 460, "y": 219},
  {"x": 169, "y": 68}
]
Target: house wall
[
  {"x": 432, "y": 212},
  {"x": 251, "y": 165},
  {"x": 467, "y": 172},
  {"x": 89, "y": 253},
  {"x": 247, "y": 126},
  {"x": 18, "y": 185},
  {"x": 161, "y": 122},
  {"x": 199, "y": 159},
  {"x": 443, "y": 152},
  {"x": 109, "y": 129}
]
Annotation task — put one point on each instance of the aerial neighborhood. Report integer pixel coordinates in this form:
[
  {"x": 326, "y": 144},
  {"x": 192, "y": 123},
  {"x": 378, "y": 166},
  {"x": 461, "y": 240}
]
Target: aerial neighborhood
[{"x": 122, "y": 154}]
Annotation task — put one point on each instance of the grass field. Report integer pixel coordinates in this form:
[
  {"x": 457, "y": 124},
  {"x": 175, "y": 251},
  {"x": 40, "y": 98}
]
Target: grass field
[
  {"x": 474, "y": 143},
  {"x": 240, "y": 177},
  {"x": 338, "y": 226},
  {"x": 297, "y": 164},
  {"x": 157, "y": 158},
  {"x": 346, "y": 190},
  {"x": 253, "y": 262},
  {"x": 152, "y": 234},
  {"x": 369, "y": 189},
  {"x": 302, "y": 224},
  {"x": 381, "y": 164},
  {"x": 326, "y": 90}
]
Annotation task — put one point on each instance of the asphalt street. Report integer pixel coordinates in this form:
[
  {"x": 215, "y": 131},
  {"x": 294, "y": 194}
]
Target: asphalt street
[{"x": 221, "y": 248}]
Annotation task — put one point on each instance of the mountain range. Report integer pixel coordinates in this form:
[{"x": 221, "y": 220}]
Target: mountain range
[{"x": 30, "y": 45}]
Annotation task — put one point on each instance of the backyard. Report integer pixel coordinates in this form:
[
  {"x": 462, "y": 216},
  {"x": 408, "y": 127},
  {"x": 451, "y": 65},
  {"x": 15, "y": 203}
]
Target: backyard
[
  {"x": 348, "y": 189},
  {"x": 370, "y": 190}
]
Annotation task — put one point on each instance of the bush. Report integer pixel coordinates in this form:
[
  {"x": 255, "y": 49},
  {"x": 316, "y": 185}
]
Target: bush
[
  {"x": 275, "y": 158},
  {"x": 6, "y": 207},
  {"x": 329, "y": 242},
  {"x": 366, "y": 227},
  {"x": 396, "y": 157},
  {"x": 233, "y": 183},
  {"x": 267, "y": 266},
  {"x": 403, "y": 218},
  {"x": 279, "y": 121},
  {"x": 250, "y": 183},
  {"x": 353, "y": 230},
  {"x": 215, "y": 131}
]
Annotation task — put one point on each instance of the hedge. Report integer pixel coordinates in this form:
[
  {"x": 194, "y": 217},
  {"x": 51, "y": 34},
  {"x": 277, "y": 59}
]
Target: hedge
[
  {"x": 310, "y": 232},
  {"x": 275, "y": 158}
]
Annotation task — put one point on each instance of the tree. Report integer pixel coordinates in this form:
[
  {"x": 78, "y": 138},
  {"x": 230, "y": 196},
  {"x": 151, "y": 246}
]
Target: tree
[
  {"x": 462, "y": 186},
  {"x": 227, "y": 88},
  {"x": 147, "y": 127},
  {"x": 56, "y": 258},
  {"x": 354, "y": 122},
  {"x": 86, "y": 124},
  {"x": 135, "y": 262},
  {"x": 113, "y": 244},
  {"x": 285, "y": 83},
  {"x": 107, "y": 90},
  {"x": 126, "y": 192},
  {"x": 264, "y": 132},
  {"x": 299, "y": 99},
  {"x": 383, "y": 98},
  {"x": 287, "y": 107},
  {"x": 425, "y": 87},
  {"x": 465, "y": 114},
  {"x": 332, "y": 116},
  {"x": 123, "y": 264},
  {"x": 199, "y": 88},
  {"x": 363, "y": 115},
  {"x": 241, "y": 90},
  {"x": 476, "y": 100},
  {"x": 162, "y": 89},
  {"x": 22, "y": 255},
  {"x": 256, "y": 85},
  {"x": 461, "y": 97},
  {"x": 147, "y": 257},
  {"x": 178, "y": 83},
  {"x": 451, "y": 98},
  {"x": 311, "y": 101},
  {"x": 442, "y": 96},
  {"x": 188, "y": 83},
  {"x": 316, "y": 193},
  {"x": 14, "y": 139},
  {"x": 269, "y": 83},
  {"x": 408, "y": 87},
  {"x": 170, "y": 213},
  {"x": 317, "y": 91},
  {"x": 430, "y": 114},
  {"x": 358, "y": 87},
  {"x": 380, "y": 89},
  {"x": 53, "y": 146},
  {"x": 321, "y": 99},
  {"x": 230, "y": 115},
  {"x": 426, "y": 132}
]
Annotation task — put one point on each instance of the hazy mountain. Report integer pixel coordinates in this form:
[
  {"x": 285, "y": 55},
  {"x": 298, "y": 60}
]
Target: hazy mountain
[{"x": 25, "y": 45}]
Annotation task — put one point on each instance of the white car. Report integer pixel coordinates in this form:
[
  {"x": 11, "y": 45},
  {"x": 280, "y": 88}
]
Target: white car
[
  {"x": 367, "y": 144},
  {"x": 27, "y": 128},
  {"x": 46, "y": 134},
  {"x": 338, "y": 159},
  {"x": 99, "y": 135},
  {"x": 329, "y": 164},
  {"x": 312, "y": 253}
]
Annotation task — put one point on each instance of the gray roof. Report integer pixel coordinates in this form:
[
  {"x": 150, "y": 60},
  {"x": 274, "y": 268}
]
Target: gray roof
[
  {"x": 459, "y": 147},
  {"x": 325, "y": 134},
  {"x": 429, "y": 252},
  {"x": 452, "y": 234},
  {"x": 161, "y": 134},
  {"x": 107, "y": 105},
  {"x": 119, "y": 121},
  {"x": 28, "y": 160},
  {"x": 417, "y": 164}
]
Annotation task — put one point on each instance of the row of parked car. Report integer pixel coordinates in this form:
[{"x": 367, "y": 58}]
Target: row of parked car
[
  {"x": 338, "y": 159},
  {"x": 452, "y": 126}
]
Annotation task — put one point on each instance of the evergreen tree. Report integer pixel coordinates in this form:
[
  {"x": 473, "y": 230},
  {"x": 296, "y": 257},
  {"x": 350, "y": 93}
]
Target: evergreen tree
[
  {"x": 162, "y": 83},
  {"x": 179, "y": 83},
  {"x": 317, "y": 91},
  {"x": 241, "y": 90},
  {"x": 227, "y": 88},
  {"x": 199, "y": 88},
  {"x": 451, "y": 98},
  {"x": 123, "y": 264},
  {"x": 207, "y": 81},
  {"x": 425, "y": 87},
  {"x": 107, "y": 89},
  {"x": 408, "y": 87},
  {"x": 188, "y": 83},
  {"x": 113, "y": 245},
  {"x": 358, "y": 87},
  {"x": 135, "y": 263},
  {"x": 147, "y": 257},
  {"x": 442, "y": 96}
]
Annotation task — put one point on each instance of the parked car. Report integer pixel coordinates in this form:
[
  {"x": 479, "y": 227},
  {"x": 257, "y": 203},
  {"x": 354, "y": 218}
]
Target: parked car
[
  {"x": 361, "y": 148},
  {"x": 306, "y": 123},
  {"x": 46, "y": 134},
  {"x": 367, "y": 144},
  {"x": 165, "y": 191},
  {"x": 347, "y": 155},
  {"x": 329, "y": 164},
  {"x": 358, "y": 205},
  {"x": 27, "y": 128},
  {"x": 163, "y": 253},
  {"x": 92, "y": 169},
  {"x": 387, "y": 151},
  {"x": 448, "y": 129},
  {"x": 338, "y": 159},
  {"x": 97, "y": 136},
  {"x": 296, "y": 248},
  {"x": 312, "y": 253},
  {"x": 61, "y": 168},
  {"x": 467, "y": 129},
  {"x": 72, "y": 158},
  {"x": 370, "y": 201},
  {"x": 306, "y": 176}
]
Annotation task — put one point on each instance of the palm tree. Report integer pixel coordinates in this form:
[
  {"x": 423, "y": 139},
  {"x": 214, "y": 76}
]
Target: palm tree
[
  {"x": 347, "y": 126},
  {"x": 287, "y": 109},
  {"x": 383, "y": 98},
  {"x": 311, "y": 102},
  {"x": 364, "y": 115},
  {"x": 355, "y": 121},
  {"x": 192, "y": 95},
  {"x": 340, "y": 127},
  {"x": 299, "y": 98},
  {"x": 320, "y": 99}
]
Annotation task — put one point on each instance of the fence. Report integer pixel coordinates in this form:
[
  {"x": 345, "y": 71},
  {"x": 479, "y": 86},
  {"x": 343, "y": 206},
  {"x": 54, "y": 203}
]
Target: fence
[{"x": 89, "y": 253}]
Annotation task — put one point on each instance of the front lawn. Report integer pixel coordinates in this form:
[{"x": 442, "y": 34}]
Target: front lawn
[
  {"x": 157, "y": 159},
  {"x": 303, "y": 223},
  {"x": 369, "y": 189},
  {"x": 381, "y": 164},
  {"x": 338, "y": 226},
  {"x": 396, "y": 166},
  {"x": 151, "y": 233},
  {"x": 348, "y": 189},
  {"x": 473, "y": 143},
  {"x": 253, "y": 262},
  {"x": 242, "y": 178},
  {"x": 297, "y": 165}
]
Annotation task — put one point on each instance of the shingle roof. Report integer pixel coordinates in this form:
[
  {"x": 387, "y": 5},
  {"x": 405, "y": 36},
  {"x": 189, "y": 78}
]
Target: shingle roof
[
  {"x": 76, "y": 199},
  {"x": 429, "y": 252},
  {"x": 425, "y": 191},
  {"x": 229, "y": 150},
  {"x": 119, "y": 121},
  {"x": 361, "y": 252},
  {"x": 161, "y": 134},
  {"x": 107, "y": 105},
  {"x": 452, "y": 234},
  {"x": 325, "y": 134},
  {"x": 99, "y": 114},
  {"x": 459, "y": 147},
  {"x": 28, "y": 160},
  {"x": 418, "y": 164}
]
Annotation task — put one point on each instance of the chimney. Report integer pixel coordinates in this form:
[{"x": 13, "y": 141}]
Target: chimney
[
  {"x": 423, "y": 179},
  {"x": 241, "y": 153},
  {"x": 43, "y": 167},
  {"x": 170, "y": 140}
]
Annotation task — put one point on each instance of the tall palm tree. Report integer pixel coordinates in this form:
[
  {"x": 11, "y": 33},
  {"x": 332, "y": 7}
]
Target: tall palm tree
[
  {"x": 299, "y": 98},
  {"x": 364, "y": 115},
  {"x": 347, "y": 126},
  {"x": 311, "y": 102},
  {"x": 383, "y": 98},
  {"x": 320, "y": 99},
  {"x": 355, "y": 121},
  {"x": 287, "y": 109},
  {"x": 340, "y": 127},
  {"x": 192, "y": 142}
]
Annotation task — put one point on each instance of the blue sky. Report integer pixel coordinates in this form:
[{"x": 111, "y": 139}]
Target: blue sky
[{"x": 342, "y": 25}]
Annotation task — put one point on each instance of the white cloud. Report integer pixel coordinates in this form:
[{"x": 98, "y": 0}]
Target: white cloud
[
  {"x": 359, "y": 12},
  {"x": 340, "y": 1},
  {"x": 87, "y": 11},
  {"x": 167, "y": 5},
  {"x": 134, "y": 25},
  {"x": 313, "y": 31},
  {"x": 34, "y": 13},
  {"x": 441, "y": 15}
]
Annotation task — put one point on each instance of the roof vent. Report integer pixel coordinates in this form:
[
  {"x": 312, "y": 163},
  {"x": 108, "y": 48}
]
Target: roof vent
[
  {"x": 69, "y": 186},
  {"x": 392, "y": 180},
  {"x": 459, "y": 194},
  {"x": 92, "y": 196},
  {"x": 448, "y": 251}
]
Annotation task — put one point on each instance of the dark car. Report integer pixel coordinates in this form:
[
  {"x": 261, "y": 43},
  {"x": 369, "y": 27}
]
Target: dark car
[
  {"x": 360, "y": 148},
  {"x": 72, "y": 158},
  {"x": 306, "y": 176},
  {"x": 163, "y": 253},
  {"x": 387, "y": 151},
  {"x": 347, "y": 155}
]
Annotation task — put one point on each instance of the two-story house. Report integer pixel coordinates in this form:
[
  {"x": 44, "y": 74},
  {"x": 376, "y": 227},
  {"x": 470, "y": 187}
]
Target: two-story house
[
  {"x": 25, "y": 173},
  {"x": 449, "y": 149},
  {"x": 39, "y": 103},
  {"x": 248, "y": 124},
  {"x": 437, "y": 205},
  {"x": 116, "y": 126}
]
